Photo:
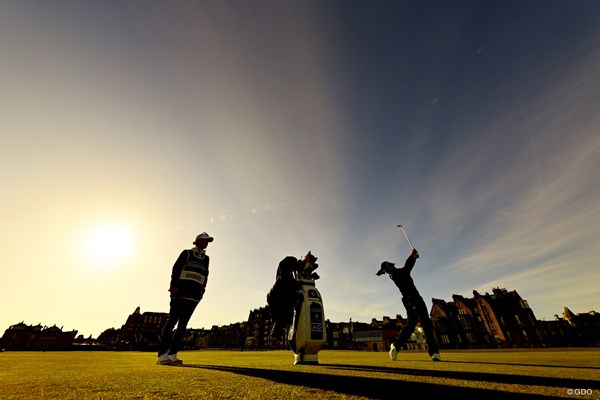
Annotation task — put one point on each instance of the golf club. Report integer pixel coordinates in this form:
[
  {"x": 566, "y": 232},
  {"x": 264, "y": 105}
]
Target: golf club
[{"x": 405, "y": 235}]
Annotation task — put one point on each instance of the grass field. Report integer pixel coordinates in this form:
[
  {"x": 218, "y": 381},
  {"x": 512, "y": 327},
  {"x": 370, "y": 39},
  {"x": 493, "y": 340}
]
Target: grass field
[{"x": 213, "y": 374}]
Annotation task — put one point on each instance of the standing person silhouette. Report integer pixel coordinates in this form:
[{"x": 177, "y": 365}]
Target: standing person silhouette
[
  {"x": 188, "y": 283},
  {"x": 415, "y": 307},
  {"x": 282, "y": 296}
]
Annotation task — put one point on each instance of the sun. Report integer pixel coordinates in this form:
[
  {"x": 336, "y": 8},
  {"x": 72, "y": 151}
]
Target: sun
[{"x": 109, "y": 244}]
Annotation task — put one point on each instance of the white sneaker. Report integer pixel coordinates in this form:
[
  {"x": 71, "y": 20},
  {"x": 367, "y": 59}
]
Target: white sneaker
[
  {"x": 174, "y": 359},
  {"x": 393, "y": 352},
  {"x": 436, "y": 357},
  {"x": 163, "y": 359}
]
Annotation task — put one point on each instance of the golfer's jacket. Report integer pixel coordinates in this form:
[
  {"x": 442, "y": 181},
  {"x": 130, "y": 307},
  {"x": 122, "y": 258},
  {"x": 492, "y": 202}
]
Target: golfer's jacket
[
  {"x": 190, "y": 275},
  {"x": 402, "y": 279}
]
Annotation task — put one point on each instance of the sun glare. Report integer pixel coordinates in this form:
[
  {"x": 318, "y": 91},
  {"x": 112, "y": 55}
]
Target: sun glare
[{"x": 109, "y": 244}]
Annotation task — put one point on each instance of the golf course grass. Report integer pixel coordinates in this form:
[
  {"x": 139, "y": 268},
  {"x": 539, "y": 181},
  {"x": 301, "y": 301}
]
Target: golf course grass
[{"x": 218, "y": 374}]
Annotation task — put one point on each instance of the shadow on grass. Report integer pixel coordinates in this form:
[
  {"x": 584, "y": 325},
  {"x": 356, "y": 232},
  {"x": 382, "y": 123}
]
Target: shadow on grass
[
  {"x": 525, "y": 365},
  {"x": 506, "y": 378},
  {"x": 374, "y": 388}
]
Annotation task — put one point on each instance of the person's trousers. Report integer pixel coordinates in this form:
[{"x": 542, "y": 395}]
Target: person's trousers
[
  {"x": 180, "y": 312},
  {"x": 416, "y": 310}
]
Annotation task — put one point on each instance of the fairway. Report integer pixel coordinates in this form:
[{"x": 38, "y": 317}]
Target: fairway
[{"x": 217, "y": 374}]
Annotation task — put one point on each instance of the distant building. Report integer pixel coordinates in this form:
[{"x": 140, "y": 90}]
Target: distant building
[
  {"x": 498, "y": 320},
  {"x": 458, "y": 325},
  {"x": 85, "y": 341},
  {"x": 508, "y": 317},
  {"x": 258, "y": 327},
  {"x": 232, "y": 336},
  {"x": 142, "y": 331},
  {"x": 587, "y": 324},
  {"x": 374, "y": 336},
  {"x": 340, "y": 335},
  {"x": 559, "y": 333},
  {"x": 27, "y": 337}
]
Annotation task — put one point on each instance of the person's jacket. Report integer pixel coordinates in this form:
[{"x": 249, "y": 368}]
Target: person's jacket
[
  {"x": 190, "y": 275},
  {"x": 402, "y": 278}
]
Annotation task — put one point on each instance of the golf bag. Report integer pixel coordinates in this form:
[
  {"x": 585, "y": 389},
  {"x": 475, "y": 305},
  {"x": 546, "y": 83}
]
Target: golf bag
[{"x": 307, "y": 335}]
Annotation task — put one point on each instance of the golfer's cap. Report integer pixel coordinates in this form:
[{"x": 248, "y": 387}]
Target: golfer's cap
[
  {"x": 384, "y": 267},
  {"x": 204, "y": 236}
]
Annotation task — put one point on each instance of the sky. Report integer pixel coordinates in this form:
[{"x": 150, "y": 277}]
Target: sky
[{"x": 278, "y": 127}]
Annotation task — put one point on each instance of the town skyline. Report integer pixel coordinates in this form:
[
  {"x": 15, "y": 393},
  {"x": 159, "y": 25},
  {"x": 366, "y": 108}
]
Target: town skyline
[{"x": 250, "y": 311}]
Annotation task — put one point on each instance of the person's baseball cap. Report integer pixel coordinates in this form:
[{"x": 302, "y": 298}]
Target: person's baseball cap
[
  {"x": 204, "y": 236},
  {"x": 385, "y": 266}
]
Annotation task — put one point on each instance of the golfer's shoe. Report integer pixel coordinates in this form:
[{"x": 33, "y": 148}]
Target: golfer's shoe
[
  {"x": 164, "y": 359},
  {"x": 174, "y": 359},
  {"x": 436, "y": 357},
  {"x": 393, "y": 352}
]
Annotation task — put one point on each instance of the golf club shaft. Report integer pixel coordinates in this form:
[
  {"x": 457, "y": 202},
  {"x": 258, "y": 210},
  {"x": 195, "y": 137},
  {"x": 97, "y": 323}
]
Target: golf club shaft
[{"x": 406, "y": 236}]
